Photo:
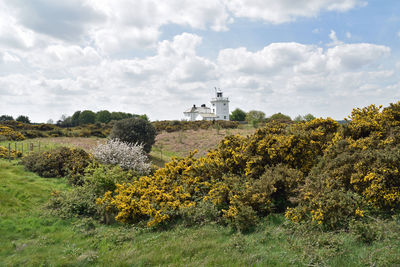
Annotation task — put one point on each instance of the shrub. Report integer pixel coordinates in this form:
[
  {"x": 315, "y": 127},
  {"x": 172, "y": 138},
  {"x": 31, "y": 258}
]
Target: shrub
[
  {"x": 317, "y": 171},
  {"x": 13, "y": 154},
  {"x": 134, "y": 131},
  {"x": 59, "y": 162},
  {"x": 359, "y": 172},
  {"x": 126, "y": 155},
  {"x": 8, "y": 133},
  {"x": 81, "y": 199}
]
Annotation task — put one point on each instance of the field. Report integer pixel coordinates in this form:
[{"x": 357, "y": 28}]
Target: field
[{"x": 30, "y": 236}]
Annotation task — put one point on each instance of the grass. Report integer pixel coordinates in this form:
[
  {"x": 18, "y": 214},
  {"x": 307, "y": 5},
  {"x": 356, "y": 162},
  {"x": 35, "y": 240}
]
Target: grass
[
  {"x": 49, "y": 143},
  {"x": 30, "y": 236}
]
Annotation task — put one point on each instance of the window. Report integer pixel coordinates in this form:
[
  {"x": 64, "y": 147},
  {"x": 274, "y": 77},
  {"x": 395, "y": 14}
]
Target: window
[
  {"x": 224, "y": 104},
  {"x": 225, "y": 117}
]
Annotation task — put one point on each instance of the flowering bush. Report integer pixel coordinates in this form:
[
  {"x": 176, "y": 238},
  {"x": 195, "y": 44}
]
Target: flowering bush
[
  {"x": 127, "y": 156},
  {"x": 8, "y": 133},
  {"x": 13, "y": 154},
  {"x": 315, "y": 171},
  {"x": 359, "y": 172}
]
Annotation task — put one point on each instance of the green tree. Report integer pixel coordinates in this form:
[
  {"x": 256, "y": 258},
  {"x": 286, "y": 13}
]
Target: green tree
[
  {"x": 280, "y": 117},
  {"x": 23, "y": 119},
  {"x": 6, "y": 118},
  {"x": 103, "y": 116},
  {"x": 135, "y": 130},
  {"x": 255, "y": 117},
  {"x": 86, "y": 117},
  {"x": 309, "y": 117},
  {"x": 75, "y": 118},
  {"x": 238, "y": 115}
]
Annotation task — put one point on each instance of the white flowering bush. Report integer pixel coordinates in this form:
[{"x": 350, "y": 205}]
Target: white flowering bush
[{"x": 128, "y": 156}]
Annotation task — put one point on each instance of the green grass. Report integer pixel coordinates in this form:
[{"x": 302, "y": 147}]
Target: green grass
[{"x": 30, "y": 236}]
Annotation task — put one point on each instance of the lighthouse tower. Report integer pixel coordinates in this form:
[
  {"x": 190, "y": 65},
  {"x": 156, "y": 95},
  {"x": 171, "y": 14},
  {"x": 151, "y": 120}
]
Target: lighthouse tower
[{"x": 220, "y": 106}]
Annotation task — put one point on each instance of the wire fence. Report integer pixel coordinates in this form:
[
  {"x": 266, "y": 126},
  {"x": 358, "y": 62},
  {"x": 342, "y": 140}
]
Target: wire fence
[{"x": 23, "y": 148}]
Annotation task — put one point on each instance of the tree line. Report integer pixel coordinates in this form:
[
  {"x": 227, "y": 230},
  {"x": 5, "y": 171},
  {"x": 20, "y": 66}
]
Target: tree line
[
  {"x": 90, "y": 117},
  {"x": 255, "y": 117}
]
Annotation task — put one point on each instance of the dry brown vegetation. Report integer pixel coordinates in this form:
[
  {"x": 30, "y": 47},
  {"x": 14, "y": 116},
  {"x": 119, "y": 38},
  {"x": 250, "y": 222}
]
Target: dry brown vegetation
[{"x": 180, "y": 143}]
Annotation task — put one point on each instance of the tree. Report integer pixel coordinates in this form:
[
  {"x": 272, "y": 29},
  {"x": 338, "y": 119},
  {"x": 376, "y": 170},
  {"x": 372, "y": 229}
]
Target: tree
[
  {"x": 255, "y": 116},
  {"x": 86, "y": 117},
  {"x": 50, "y": 121},
  {"x": 23, "y": 119},
  {"x": 280, "y": 117},
  {"x": 135, "y": 130},
  {"x": 309, "y": 117},
  {"x": 6, "y": 118},
  {"x": 103, "y": 116},
  {"x": 75, "y": 118},
  {"x": 238, "y": 115}
]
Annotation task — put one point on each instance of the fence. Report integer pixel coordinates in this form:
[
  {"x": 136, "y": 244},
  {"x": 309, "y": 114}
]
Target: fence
[{"x": 23, "y": 148}]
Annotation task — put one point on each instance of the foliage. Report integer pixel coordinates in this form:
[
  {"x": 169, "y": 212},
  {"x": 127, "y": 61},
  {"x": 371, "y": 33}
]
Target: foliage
[
  {"x": 8, "y": 133},
  {"x": 59, "y": 162},
  {"x": 23, "y": 119},
  {"x": 238, "y": 115},
  {"x": 359, "y": 172},
  {"x": 307, "y": 117},
  {"x": 13, "y": 154},
  {"x": 128, "y": 156},
  {"x": 103, "y": 116},
  {"x": 254, "y": 117},
  {"x": 243, "y": 177},
  {"x": 86, "y": 117},
  {"x": 135, "y": 131},
  {"x": 280, "y": 117},
  {"x": 175, "y": 126},
  {"x": 6, "y": 118},
  {"x": 30, "y": 237},
  {"x": 81, "y": 199}
]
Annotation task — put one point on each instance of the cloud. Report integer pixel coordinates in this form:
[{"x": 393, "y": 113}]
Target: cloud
[
  {"x": 287, "y": 10},
  {"x": 65, "y": 20},
  {"x": 335, "y": 40}
]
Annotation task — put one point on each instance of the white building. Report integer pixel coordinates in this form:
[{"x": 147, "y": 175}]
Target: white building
[{"x": 219, "y": 109}]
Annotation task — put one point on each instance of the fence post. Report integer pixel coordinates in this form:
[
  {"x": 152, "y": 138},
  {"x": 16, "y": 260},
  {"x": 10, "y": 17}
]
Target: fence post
[{"x": 9, "y": 152}]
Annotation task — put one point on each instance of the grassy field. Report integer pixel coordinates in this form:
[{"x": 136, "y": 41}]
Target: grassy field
[
  {"x": 167, "y": 145},
  {"x": 30, "y": 236}
]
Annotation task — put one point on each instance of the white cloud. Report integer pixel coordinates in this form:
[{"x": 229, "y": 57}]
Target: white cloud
[
  {"x": 287, "y": 10},
  {"x": 335, "y": 40}
]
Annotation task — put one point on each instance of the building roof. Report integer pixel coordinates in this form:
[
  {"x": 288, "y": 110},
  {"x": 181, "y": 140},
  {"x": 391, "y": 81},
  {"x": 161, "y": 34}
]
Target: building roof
[
  {"x": 208, "y": 115},
  {"x": 195, "y": 109}
]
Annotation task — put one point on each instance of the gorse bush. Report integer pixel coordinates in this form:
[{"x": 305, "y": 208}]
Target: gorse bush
[
  {"x": 81, "y": 199},
  {"x": 4, "y": 153},
  {"x": 316, "y": 171},
  {"x": 358, "y": 173},
  {"x": 126, "y": 155},
  {"x": 135, "y": 131},
  {"x": 60, "y": 162},
  {"x": 245, "y": 177},
  {"x": 7, "y": 133}
]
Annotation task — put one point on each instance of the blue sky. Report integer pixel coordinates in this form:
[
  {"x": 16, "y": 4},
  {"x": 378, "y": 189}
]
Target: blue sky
[{"x": 323, "y": 57}]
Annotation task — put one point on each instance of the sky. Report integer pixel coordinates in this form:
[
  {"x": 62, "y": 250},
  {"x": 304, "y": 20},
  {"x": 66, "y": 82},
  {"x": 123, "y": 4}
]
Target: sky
[{"x": 323, "y": 57}]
